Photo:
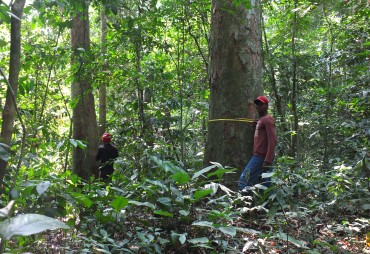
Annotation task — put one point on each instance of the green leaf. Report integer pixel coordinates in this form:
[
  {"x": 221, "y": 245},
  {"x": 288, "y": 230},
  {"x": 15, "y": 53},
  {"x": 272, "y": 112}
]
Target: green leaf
[
  {"x": 366, "y": 206},
  {"x": 198, "y": 240},
  {"x": 73, "y": 142},
  {"x": 231, "y": 231},
  {"x": 28, "y": 224},
  {"x": 82, "y": 199},
  {"x": 42, "y": 187},
  {"x": 81, "y": 144},
  {"x": 158, "y": 183},
  {"x": 119, "y": 203},
  {"x": 4, "y": 154},
  {"x": 202, "y": 193},
  {"x": 298, "y": 243},
  {"x": 150, "y": 205},
  {"x": 201, "y": 172},
  {"x": 220, "y": 172},
  {"x": 3, "y": 43},
  {"x": 203, "y": 224},
  {"x": 163, "y": 213},
  {"x": 184, "y": 212},
  {"x": 181, "y": 178},
  {"x": 178, "y": 237},
  {"x": 165, "y": 201}
]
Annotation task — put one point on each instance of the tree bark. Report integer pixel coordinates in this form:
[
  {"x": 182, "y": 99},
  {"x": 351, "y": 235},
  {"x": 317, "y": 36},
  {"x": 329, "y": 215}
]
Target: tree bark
[
  {"x": 235, "y": 81},
  {"x": 85, "y": 126},
  {"x": 294, "y": 148},
  {"x": 9, "y": 112},
  {"x": 103, "y": 86}
]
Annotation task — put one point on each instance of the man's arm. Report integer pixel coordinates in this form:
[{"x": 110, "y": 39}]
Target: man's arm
[
  {"x": 271, "y": 141},
  {"x": 98, "y": 155}
]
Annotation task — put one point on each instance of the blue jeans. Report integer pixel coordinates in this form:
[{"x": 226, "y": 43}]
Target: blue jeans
[{"x": 252, "y": 174}]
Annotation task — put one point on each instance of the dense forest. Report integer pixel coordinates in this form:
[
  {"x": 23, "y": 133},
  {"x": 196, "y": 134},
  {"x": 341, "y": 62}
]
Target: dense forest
[{"x": 173, "y": 82}]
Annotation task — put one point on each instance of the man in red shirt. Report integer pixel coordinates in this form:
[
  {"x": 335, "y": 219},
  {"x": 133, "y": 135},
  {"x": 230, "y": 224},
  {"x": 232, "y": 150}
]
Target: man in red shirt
[{"x": 263, "y": 148}]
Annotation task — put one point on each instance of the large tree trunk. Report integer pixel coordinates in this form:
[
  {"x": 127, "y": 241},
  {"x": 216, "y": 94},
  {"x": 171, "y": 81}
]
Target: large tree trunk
[
  {"x": 235, "y": 81},
  {"x": 85, "y": 126},
  {"x": 9, "y": 111}
]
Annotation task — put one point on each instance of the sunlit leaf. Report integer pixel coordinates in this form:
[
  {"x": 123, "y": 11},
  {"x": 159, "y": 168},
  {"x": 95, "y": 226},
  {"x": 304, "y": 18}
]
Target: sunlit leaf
[
  {"x": 4, "y": 212},
  {"x": 42, "y": 187},
  {"x": 201, "y": 172},
  {"x": 203, "y": 224},
  {"x": 28, "y": 224}
]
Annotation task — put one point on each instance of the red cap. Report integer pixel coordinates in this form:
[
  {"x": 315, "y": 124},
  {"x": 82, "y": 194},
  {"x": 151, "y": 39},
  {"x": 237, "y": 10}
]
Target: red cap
[
  {"x": 262, "y": 99},
  {"x": 106, "y": 137}
]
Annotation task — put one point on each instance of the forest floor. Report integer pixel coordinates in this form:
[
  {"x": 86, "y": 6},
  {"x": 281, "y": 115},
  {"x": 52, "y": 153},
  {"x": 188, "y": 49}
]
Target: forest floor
[{"x": 338, "y": 231}]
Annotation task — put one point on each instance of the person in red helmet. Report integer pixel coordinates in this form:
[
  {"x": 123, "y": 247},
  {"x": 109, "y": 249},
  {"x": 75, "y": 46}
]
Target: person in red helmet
[
  {"x": 264, "y": 144},
  {"x": 106, "y": 154}
]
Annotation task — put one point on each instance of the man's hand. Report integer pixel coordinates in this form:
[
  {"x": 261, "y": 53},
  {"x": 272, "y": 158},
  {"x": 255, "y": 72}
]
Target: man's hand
[{"x": 266, "y": 166}]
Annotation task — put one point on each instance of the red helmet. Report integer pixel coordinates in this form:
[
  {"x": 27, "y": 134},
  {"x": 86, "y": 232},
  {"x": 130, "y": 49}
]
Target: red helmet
[{"x": 106, "y": 137}]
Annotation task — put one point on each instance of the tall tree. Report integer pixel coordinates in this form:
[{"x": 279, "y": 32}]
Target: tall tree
[
  {"x": 102, "y": 85},
  {"x": 235, "y": 81},
  {"x": 85, "y": 126},
  {"x": 9, "y": 111}
]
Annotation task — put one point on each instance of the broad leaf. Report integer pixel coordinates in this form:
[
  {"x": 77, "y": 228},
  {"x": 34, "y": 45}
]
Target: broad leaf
[
  {"x": 28, "y": 224},
  {"x": 119, "y": 203},
  {"x": 198, "y": 240},
  {"x": 165, "y": 201},
  {"x": 42, "y": 187},
  {"x": 164, "y": 213},
  {"x": 181, "y": 178},
  {"x": 202, "y": 193},
  {"x": 178, "y": 237},
  {"x": 228, "y": 231},
  {"x": 82, "y": 199}
]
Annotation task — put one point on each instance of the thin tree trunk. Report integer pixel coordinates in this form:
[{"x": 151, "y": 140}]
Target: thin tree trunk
[
  {"x": 294, "y": 150},
  {"x": 235, "y": 81},
  {"x": 103, "y": 87},
  {"x": 85, "y": 126},
  {"x": 9, "y": 112}
]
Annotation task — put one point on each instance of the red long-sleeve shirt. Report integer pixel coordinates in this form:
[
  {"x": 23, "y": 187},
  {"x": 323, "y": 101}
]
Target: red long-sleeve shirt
[{"x": 265, "y": 138}]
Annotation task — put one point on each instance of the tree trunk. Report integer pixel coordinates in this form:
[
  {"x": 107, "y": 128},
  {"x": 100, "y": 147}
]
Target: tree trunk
[
  {"x": 9, "y": 111},
  {"x": 85, "y": 126},
  {"x": 294, "y": 149},
  {"x": 103, "y": 87},
  {"x": 235, "y": 81}
]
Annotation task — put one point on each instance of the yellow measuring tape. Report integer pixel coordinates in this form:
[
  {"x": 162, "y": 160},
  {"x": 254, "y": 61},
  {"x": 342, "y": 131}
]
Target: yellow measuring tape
[{"x": 247, "y": 120}]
